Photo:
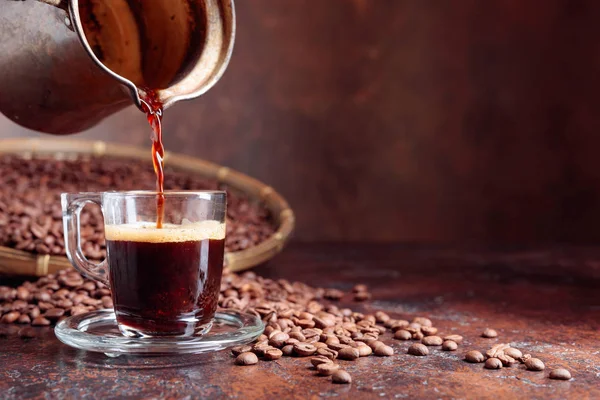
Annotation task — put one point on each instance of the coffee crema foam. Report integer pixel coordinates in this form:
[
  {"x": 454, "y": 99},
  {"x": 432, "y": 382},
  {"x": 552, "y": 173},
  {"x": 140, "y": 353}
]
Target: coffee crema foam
[{"x": 169, "y": 233}]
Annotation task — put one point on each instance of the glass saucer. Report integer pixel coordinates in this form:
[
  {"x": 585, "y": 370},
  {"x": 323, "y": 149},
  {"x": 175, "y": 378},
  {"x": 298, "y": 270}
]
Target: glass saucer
[{"x": 97, "y": 331}]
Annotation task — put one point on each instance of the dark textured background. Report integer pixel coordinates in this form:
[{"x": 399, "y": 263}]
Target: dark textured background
[{"x": 460, "y": 120}]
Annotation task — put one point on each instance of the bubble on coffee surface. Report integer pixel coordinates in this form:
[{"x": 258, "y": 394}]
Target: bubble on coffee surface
[{"x": 169, "y": 233}]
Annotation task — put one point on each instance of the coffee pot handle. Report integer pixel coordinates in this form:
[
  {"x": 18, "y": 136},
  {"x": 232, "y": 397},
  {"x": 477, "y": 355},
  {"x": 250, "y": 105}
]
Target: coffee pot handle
[{"x": 72, "y": 205}]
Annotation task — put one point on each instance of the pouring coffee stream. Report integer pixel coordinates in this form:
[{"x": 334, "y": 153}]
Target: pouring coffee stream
[{"x": 68, "y": 64}]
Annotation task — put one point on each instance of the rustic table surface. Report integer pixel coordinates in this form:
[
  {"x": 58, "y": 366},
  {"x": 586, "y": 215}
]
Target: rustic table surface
[{"x": 545, "y": 301}]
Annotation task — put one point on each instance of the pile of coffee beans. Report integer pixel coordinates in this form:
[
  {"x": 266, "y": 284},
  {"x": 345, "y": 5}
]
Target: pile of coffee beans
[
  {"x": 301, "y": 321},
  {"x": 31, "y": 215}
]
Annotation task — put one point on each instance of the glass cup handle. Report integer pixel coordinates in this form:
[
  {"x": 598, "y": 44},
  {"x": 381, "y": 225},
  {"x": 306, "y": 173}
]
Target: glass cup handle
[{"x": 72, "y": 204}]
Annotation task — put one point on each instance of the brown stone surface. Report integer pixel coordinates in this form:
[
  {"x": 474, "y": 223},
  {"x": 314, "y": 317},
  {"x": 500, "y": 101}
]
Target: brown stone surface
[{"x": 544, "y": 301}]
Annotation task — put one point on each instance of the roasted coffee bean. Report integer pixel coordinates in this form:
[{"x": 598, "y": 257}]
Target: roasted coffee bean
[
  {"x": 560, "y": 374},
  {"x": 514, "y": 353},
  {"x": 320, "y": 360},
  {"x": 304, "y": 349},
  {"x": 338, "y": 346},
  {"x": 247, "y": 358},
  {"x": 359, "y": 288},
  {"x": 22, "y": 293},
  {"x": 418, "y": 335},
  {"x": 237, "y": 350},
  {"x": 40, "y": 321},
  {"x": 10, "y": 317},
  {"x": 375, "y": 344},
  {"x": 278, "y": 340},
  {"x": 422, "y": 321},
  {"x": 329, "y": 353},
  {"x": 403, "y": 335},
  {"x": 27, "y": 332},
  {"x": 428, "y": 330},
  {"x": 54, "y": 313},
  {"x": 493, "y": 363},
  {"x": 349, "y": 353},
  {"x": 341, "y": 376},
  {"x": 333, "y": 294},
  {"x": 107, "y": 302},
  {"x": 534, "y": 364},
  {"x": 24, "y": 319},
  {"x": 320, "y": 345},
  {"x": 432, "y": 341},
  {"x": 449, "y": 345},
  {"x": 489, "y": 333},
  {"x": 384, "y": 351},
  {"x": 327, "y": 369},
  {"x": 381, "y": 317},
  {"x": 455, "y": 338},
  {"x": 364, "y": 351},
  {"x": 474, "y": 356},
  {"x": 273, "y": 354},
  {"x": 418, "y": 349},
  {"x": 362, "y": 296},
  {"x": 288, "y": 350}
]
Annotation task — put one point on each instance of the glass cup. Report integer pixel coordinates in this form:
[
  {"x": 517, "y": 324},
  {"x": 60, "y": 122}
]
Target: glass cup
[{"x": 164, "y": 281}]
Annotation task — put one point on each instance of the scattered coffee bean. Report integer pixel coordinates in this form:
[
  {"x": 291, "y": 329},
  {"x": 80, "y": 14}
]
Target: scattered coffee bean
[
  {"x": 27, "y": 332},
  {"x": 320, "y": 360},
  {"x": 246, "y": 359},
  {"x": 514, "y": 353},
  {"x": 327, "y": 369},
  {"x": 474, "y": 356},
  {"x": 364, "y": 351},
  {"x": 360, "y": 288},
  {"x": 429, "y": 330},
  {"x": 237, "y": 350},
  {"x": 455, "y": 338},
  {"x": 432, "y": 341},
  {"x": 362, "y": 296},
  {"x": 402, "y": 335},
  {"x": 24, "y": 319},
  {"x": 534, "y": 364},
  {"x": 272, "y": 354},
  {"x": 278, "y": 339},
  {"x": 449, "y": 345},
  {"x": 288, "y": 350},
  {"x": 489, "y": 333},
  {"x": 384, "y": 351},
  {"x": 560, "y": 374},
  {"x": 341, "y": 376},
  {"x": 493, "y": 363},
  {"x": 304, "y": 349},
  {"x": 422, "y": 321},
  {"x": 10, "y": 317},
  {"x": 54, "y": 313},
  {"x": 329, "y": 353},
  {"x": 349, "y": 353},
  {"x": 418, "y": 349}
]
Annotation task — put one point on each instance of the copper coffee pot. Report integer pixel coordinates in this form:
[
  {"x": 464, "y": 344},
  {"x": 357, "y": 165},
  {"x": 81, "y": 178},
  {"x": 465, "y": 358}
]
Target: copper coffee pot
[{"x": 67, "y": 64}]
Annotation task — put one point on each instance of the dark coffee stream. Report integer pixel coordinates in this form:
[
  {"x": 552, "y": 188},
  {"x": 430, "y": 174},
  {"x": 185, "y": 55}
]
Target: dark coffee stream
[{"x": 154, "y": 111}]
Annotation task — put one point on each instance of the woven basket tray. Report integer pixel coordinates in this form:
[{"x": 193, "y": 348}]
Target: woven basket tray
[{"x": 17, "y": 262}]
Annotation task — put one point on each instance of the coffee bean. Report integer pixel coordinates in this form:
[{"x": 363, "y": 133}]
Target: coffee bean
[
  {"x": 10, "y": 317},
  {"x": 304, "y": 349},
  {"x": 364, "y": 351},
  {"x": 24, "y": 319},
  {"x": 381, "y": 317},
  {"x": 340, "y": 376},
  {"x": 493, "y": 363},
  {"x": 288, "y": 350},
  {"x": 399, "y": 324},
  {"x": 329, "y": 353},
  {"x": 455, "y": 338},
  {"x": 428, "y": 330},
  {"x": 54, "y": 313},
  {"x": 362, "y": 296},
  {"x": 418, "y": 335},
  {"x": 514, "y": 353},
  {"x": 40, "y": 321},
  {"x": 338, "y": 346},
  {"x": 327, "y": 369},
  {"x": 107, "y": 302},
  {"x": 560, "y": 374},
  {"x": 474, "y": 356},
  {"x": 278, "y": 339},
  {"x": 384, "y": 351},
  {"x": 422, "y": 321},
  {"x": 27, "y": 332},
  {"x": 432, "y": 341},
  {"x": 449, "y": 345},
  {"x": 247, "y": 358},
  {"x": 273, "y": 354},
  {"x": 534, "y": 364},
  {"x": 22, "y": 293},
  {"x": 375, "y": 344},
  {"x": 489, "y": 333},
  {"x": 320, "y": 360},
  {"x": 402, "y": 335},
  {"x": 349, "y": 353},
  {"x": 359, "y": 288},
  {"x": 418, "y": 349},
  {"x": 237, "y": 350}
]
